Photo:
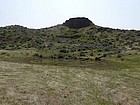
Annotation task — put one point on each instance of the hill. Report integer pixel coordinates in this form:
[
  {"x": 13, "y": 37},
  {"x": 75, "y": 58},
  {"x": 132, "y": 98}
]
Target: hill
[
  {"x": 77, "y": 38},
  {"x": 74, "y": 63}
]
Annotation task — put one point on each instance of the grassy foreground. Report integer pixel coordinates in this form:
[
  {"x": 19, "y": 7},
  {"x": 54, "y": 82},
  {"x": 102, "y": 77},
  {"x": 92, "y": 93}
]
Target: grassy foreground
[{"x": 117, "y": 83}]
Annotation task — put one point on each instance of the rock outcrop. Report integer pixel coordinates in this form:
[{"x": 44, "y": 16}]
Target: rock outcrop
[{"x": 78, "y": 22}]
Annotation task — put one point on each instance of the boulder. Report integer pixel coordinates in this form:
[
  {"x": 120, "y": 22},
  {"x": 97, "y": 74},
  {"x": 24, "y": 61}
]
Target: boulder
[{"x": 78, "y": 22}]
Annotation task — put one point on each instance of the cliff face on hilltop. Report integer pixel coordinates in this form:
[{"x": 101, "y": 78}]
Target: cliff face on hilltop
[{"x": 78, "y": 22}]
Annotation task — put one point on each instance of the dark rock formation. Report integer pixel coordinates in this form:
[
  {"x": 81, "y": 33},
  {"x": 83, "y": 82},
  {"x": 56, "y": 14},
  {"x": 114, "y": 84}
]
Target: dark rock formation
[{"x": 78, "y": 22}]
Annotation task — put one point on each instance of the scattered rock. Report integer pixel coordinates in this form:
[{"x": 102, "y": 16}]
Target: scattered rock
[
  {"x": 97, "y": 59},
  {"x": 65, "y": 96}
]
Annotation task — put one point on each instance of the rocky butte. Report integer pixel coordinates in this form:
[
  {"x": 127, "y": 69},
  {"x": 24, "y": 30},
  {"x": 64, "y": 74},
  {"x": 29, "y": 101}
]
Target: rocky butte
[{"x": 78, "y": 22}]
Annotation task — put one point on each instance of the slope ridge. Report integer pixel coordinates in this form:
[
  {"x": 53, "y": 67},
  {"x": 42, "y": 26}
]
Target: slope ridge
[{"x": 69, "y": 43}]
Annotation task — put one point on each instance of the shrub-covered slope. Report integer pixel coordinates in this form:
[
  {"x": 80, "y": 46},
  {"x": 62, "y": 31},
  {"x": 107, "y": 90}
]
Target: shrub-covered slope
[{"x": 90, "y": 42}]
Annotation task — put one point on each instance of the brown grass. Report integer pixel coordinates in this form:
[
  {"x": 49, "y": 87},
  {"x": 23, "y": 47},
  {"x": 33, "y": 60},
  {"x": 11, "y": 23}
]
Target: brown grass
[{"x": 30, "y": 84}]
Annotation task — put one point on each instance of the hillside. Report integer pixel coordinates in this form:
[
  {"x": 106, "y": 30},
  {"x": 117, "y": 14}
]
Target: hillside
[
  {"x": 74, "y": 63},
  {"x": 88, "y": 42}
]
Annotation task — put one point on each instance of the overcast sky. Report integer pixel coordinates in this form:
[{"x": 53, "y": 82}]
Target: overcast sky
[{"x": 45, "y": 13}]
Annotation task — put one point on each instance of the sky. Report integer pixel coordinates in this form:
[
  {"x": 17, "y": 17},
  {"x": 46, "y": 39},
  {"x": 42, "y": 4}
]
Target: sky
[{"x": 122, "y": 14}]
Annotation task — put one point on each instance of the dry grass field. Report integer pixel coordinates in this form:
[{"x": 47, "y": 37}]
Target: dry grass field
[{"x": 42, "y": 84}]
